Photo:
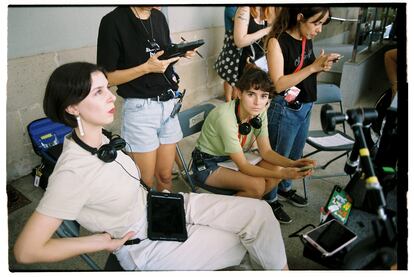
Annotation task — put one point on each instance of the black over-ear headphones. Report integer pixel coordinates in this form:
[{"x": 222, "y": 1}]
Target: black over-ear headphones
[
  {"x": 106, "y": 152},
  {"x": 246, "y": 127}
]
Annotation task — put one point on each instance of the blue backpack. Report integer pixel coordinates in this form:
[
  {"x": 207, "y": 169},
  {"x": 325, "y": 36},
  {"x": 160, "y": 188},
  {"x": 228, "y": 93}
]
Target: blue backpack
[{"x": 47, "y": 139}]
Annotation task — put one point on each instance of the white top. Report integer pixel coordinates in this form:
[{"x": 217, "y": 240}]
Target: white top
[{"x": 101, "y": 196}]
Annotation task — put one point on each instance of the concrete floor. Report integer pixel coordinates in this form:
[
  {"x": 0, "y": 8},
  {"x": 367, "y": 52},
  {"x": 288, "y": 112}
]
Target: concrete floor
[{"x": 318, "y": 193}]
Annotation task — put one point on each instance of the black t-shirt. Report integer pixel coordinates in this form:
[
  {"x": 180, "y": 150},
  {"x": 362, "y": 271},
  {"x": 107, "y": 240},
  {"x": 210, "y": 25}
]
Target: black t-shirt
[
  {"x": 292, "y": 50},
  {"x": 123, "y": 42}
]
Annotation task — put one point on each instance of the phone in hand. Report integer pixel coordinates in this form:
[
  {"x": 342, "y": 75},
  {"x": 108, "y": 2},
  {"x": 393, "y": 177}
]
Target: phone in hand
[
  {"x": 306, "y": 168},
  {"x": 337, "y": 58}
]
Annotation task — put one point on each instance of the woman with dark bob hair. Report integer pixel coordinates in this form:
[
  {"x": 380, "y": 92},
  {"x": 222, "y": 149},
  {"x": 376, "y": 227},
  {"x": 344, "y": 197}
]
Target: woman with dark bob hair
[
  {"x": 293, "y": 68},
  {"x": 107, "y": 198}
]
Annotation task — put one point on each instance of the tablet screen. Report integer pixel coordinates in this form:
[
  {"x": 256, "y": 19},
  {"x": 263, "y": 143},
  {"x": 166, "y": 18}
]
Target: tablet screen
[
  {"x": 166, "y": 217},
  {"x": 332, "y": 235}
]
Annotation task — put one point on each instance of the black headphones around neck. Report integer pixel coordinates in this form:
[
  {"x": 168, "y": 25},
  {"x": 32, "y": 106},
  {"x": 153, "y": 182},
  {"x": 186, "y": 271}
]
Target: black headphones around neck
[
  {"x": 106, "y": 152},
  {"x": 246, "y": 127}
]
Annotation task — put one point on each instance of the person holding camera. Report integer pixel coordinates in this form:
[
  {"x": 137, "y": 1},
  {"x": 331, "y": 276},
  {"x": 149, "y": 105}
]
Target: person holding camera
[
  {"x": 293, "y": 69},
  {"x": 130, "y": 44},
  {"x": 229, "y": 133},
  {"x": 99, "y": 186}
]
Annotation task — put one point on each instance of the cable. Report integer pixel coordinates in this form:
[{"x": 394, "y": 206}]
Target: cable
[{"x": 141, "y": 182}]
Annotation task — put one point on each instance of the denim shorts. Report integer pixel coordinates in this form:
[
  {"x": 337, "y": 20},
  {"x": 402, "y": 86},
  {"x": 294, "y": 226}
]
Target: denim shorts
[
  {"x": 147, "y": 123},
  {"x": 210, "y": 163}
]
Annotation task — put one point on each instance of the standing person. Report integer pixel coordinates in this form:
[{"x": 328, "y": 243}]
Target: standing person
[
  {"x": 99, "y": 186},
  {"x": 292, "y": 62},
  {"x": 390, "y": 62},
  {"x": 251, "y": 25},
  {"x": 129, "y": 44},
  {"x": 230, "y": 130},
  {"x": 228, "y": 60}
]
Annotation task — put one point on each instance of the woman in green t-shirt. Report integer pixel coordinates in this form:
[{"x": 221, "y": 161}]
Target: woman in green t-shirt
[{"x": 231, "y": 130}]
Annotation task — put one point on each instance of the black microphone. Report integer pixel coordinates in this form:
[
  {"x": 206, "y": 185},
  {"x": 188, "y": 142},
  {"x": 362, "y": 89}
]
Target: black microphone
[{"x": 352, "y": 162}]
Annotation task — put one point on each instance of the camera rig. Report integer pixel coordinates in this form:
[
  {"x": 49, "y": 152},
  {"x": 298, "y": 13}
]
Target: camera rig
[{"x": 383, "y": 243}]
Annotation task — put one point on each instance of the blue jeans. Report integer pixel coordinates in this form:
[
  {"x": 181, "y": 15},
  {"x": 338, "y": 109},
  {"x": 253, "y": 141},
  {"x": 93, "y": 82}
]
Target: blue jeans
[{"x": 288, "y": 130}]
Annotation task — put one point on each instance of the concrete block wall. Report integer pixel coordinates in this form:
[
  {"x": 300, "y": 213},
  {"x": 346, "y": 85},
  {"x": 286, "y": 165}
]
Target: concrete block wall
[
  {"x": 27, "y": 78},
  {"x": 365, "y": 80}
]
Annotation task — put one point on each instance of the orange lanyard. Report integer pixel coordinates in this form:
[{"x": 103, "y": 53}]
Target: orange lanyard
[
  {"x": 243, "y": 139},
  {"x": 302, "y": 55}
]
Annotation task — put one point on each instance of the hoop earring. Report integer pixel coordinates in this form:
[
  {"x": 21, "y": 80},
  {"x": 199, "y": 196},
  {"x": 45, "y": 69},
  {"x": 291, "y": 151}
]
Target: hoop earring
[{"x": 78, "y": 119}]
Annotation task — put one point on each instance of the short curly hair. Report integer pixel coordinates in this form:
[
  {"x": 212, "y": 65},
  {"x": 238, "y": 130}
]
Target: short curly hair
[{"x": 256, "y": 78}]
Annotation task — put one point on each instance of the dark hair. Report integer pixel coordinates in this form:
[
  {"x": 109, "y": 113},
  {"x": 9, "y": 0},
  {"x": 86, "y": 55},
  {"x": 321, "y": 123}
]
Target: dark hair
[
  {"x": 256, "y": 78},
  {"x": 69, "y": 84},
  {"x": 287, "y": 19}
]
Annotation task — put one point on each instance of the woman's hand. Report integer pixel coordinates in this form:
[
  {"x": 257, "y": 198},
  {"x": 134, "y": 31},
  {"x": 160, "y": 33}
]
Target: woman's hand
[
  {"x": 294, "y": 173},
  {"x": 324, "y": 61},
  {"x": 190, "y": 54},
  {"x": 303, "y": 162},
  {"x": 113, "y": 244},
  {"x": 154, "y": 65}
]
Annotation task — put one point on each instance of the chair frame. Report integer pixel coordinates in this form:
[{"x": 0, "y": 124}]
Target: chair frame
[
  {"x": 191, "y": 122},
  {"x": 70, "y": 228},
  {"x": 328, "y": 94}
]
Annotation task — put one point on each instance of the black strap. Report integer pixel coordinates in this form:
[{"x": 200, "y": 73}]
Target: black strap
[
  {"x": 132, "y": 241},
  {"x": 297, "y": 234}
]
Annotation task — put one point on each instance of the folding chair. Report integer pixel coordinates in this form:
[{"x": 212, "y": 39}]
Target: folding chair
[
  {"x": 336, "y": 141},
  {"x": 191, "y": 121},
  {"x": 71, "y": 228}
]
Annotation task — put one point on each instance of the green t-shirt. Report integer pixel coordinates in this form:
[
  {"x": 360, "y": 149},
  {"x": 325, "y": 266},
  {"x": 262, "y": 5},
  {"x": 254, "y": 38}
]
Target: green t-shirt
[{"x": 219, "y": 135}]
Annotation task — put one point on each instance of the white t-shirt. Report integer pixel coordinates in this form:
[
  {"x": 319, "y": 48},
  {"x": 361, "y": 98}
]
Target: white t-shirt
[{"x": 101, "y": 196}]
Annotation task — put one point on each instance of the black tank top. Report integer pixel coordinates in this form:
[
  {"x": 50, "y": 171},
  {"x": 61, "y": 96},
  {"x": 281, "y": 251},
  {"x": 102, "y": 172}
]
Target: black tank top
[
  {"x": 292, "y": 50},
  {"x": 257, "y": 46}
]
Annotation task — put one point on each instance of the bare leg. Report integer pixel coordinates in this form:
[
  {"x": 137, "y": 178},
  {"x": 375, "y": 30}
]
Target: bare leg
[
  {"x": 246, "y": 185},
  {"x": 390, "y": 61},
  {"x": 270, "y": 182},
  {"x": 164, "y": 165},
  {"x": 146, "y": 164}
]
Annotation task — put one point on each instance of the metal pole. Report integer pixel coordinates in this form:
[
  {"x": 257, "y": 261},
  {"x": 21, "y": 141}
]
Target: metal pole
[
  {"x": 357, "y": 32},
  {"x": 384, "y": 23},
  {"x": 373, "y": 29}
]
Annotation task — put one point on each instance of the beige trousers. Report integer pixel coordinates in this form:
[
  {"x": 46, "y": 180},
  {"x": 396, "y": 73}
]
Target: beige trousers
[{"x": 220, "y": 231}]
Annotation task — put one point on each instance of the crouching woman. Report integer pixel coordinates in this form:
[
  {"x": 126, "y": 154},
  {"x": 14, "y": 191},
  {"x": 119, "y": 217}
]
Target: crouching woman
[{"x": 231, "y": 130}]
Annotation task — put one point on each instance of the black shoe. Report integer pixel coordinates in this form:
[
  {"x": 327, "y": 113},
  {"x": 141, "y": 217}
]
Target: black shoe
[
  {"x": 292, "y": 197},
  {"x": 279, "y": 213}
]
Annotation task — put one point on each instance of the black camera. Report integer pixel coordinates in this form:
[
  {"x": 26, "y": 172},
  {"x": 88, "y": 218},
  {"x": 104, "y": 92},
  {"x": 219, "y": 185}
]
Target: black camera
[
  {"x": 198, "y": 161},
  {"x": 177, "y": 106},
  {"x": 155, "y": 47}
]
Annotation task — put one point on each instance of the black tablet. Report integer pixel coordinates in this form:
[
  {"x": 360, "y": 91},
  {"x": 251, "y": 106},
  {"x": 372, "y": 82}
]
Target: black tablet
[
  {"x": 166, "y": 216},
  {"x": 330, "y": 237},
  {"x": 179, "y": 50}
]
